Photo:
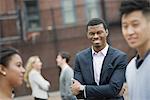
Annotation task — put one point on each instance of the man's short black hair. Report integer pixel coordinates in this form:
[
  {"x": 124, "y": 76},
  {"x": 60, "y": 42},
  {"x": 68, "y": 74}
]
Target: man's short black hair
[
  {"x": 96, "y": 21},
  {"x": 65, "y": 55},
  {"x": 128, "y": 6}
]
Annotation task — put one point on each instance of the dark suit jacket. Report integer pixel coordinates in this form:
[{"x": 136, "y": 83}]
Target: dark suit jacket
[{"x": 112, "y": 74}]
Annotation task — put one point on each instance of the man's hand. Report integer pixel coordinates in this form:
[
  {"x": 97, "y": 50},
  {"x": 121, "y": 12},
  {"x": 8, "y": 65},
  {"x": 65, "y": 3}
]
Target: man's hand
[
  {"x": 124, "y": 90},
  {"x": 75, "y": 87}
]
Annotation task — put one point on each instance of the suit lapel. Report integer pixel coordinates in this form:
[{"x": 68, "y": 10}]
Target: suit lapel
[
  {"x": 90, "y": 64},
  {"x": 107, "y": 62}
]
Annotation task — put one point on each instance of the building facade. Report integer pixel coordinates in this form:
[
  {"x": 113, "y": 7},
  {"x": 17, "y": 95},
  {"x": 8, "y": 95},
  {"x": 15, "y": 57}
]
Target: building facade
[{"x": 44, "y": 27}]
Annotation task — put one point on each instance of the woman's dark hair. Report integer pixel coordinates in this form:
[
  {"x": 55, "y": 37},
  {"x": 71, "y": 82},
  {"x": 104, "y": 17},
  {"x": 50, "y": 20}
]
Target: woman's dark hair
[
  {"x": 65, "y": 55},
  {"x": 128, "y": 6},
  {"x": 96, "y": 21},
  {"x": 6, "y": 54}
]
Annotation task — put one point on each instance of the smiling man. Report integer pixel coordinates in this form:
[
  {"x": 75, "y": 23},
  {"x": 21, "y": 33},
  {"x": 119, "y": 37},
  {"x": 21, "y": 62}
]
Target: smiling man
[
  {"x": 100, "y": 69},
  {"x": 135, "y": 19}
]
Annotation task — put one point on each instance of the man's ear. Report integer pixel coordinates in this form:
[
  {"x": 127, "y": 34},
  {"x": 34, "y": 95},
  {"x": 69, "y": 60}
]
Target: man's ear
[{"x": 2, "y": 71}]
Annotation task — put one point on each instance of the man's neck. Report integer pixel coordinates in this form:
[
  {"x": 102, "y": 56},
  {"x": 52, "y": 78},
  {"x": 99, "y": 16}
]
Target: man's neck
[
  {"x": 64, "y": 66},
  {"x": 97, "y": 49},
  {"x": 143, "y": 50}
]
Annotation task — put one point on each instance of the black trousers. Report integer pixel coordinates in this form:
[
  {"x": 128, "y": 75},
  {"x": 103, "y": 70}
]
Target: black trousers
[{"x": 39, "y": 99}]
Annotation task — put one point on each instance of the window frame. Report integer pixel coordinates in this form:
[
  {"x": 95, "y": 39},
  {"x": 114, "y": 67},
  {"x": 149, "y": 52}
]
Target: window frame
[
  {"x": 72, "y": 10},
  {"x": 34, "y": 17}
]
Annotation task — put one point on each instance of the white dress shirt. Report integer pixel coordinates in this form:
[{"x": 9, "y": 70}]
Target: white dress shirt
[{"x": 98, "y": 59}]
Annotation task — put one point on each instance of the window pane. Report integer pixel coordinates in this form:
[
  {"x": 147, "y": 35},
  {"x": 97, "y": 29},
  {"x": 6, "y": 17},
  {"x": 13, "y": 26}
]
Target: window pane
[
  {"x": 32, "y": 15},
  {"x": 68, "y": 3},
  {"x": 92, "y": 8},
  {"x": 68, "y": 11},
  {"x": 93, "y": 13},
  {"x": 69, "y": 17},
  {"x": 91, "y": 1}
]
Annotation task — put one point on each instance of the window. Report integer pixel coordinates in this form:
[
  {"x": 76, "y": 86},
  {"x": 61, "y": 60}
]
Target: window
[
  {"x": 9, "y": 30},
  {"x": 68, "y": 11},
  {"x": 32, "y": 15},
  {"x": 9, "y": 22},
  {"x": 92, "y": 9}
]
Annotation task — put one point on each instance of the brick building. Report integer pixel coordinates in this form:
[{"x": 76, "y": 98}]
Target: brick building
[{"x": 44, "y": 27}]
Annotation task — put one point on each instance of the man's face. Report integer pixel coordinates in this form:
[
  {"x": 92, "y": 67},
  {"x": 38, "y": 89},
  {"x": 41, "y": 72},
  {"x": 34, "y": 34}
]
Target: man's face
[
  {"x": 136, "y": 29},
  {"x": 97, "y": 35},
  {"x": 59, "y": 60}
]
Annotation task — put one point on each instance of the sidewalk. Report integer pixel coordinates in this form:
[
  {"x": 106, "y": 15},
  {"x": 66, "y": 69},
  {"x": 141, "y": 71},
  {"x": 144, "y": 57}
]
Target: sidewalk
[{"x": 53, "y": 96}]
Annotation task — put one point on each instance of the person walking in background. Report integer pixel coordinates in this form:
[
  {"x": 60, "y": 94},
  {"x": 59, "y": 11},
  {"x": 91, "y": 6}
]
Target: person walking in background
[
  {"x": 65, "y": 76},
  {"x": 99, "y": 71},
  {"x": 11, "y": 72},
  {"x": 35, "y": 80},
  {"x": 135, "y": 20}
]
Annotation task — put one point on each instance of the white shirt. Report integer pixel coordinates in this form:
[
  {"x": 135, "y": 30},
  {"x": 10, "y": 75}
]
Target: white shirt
[
  {"x": 98, "y": 59},
  {"x": 38, "y": 84}
]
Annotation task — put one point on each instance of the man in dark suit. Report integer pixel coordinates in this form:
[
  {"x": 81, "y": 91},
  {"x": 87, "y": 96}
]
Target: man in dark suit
[{"x": 99, "y": 70}]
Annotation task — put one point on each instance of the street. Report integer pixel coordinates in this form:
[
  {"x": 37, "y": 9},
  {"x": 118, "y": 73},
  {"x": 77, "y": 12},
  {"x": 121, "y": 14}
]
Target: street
[{"x": 53, "y": 96}]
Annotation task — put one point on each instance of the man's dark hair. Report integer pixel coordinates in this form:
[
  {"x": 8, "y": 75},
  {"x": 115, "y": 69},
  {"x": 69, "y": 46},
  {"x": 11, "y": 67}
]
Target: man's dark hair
[
  {"x": 65, "y": 55},
  {"x": 6, "y": 53},
  {"x": 128, "y": 6},
  {"x": 96, "y": 21}
]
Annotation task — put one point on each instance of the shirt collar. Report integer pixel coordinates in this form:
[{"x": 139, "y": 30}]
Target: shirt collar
[
  {"x": 145, "y": 55},
  {"x": 65, "y": 67},
  {"x": 103, "y": 51},
  {"x": 139, "y": 60}
]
